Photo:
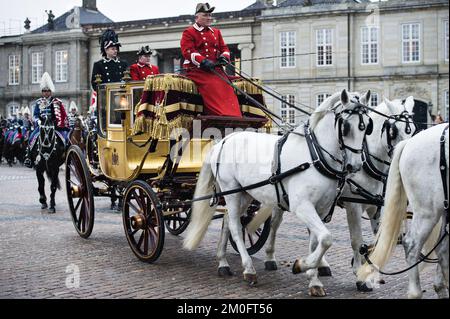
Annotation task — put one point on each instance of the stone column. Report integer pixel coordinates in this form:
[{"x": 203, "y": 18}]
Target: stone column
[
  {"x": 246, "y": 54},
  {"x": 154, "y": 58}
]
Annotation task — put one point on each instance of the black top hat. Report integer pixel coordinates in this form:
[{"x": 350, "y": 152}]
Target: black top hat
[
  {"x": 204, "y": 7},
  {"x": 144, "y": 51},
  {"x": 108, "y": 39}
]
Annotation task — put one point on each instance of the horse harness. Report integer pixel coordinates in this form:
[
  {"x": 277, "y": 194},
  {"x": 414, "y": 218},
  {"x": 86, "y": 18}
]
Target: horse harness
[
  {"x": 47, "y": 142},
  {"x": 318, "y": 158},
  {"x": 371, "y": 170}
]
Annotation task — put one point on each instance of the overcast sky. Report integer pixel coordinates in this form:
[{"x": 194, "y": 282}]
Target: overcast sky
[{"x": 14, "y": 12}]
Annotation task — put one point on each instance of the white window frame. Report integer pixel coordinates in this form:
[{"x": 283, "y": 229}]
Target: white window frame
[
  {"x": 410, "y": 41},
  {"x": 13, "y": 69},
  {"x": 37, "y": 67},
  {"x": 13, "y": 109},
  {"x": 323, "y": 44},
  {"x": 288, "y": 49},
  {"x": 321, "y": 97},
  {"x": 287, "y": 113},
  {"x": 61, "y": 67},
  {"x": 374, "y": 99},
  {"x": 367, "y": 46},
  {"x": 446, "y": 47}
]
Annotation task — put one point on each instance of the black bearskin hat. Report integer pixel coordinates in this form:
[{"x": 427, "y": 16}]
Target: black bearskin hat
[
  {"x": 109, "y": 38},
  {"x": 144, "y": 51}
]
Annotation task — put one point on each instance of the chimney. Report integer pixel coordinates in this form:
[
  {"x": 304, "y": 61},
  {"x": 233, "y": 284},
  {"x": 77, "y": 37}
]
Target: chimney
[{"x": 90, "y": 4}]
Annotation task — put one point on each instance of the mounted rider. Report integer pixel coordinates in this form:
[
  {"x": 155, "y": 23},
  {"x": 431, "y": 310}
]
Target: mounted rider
[
  {"x": 142, "y": 69},
  {"x": 44, "y": 107},
  {"x": 73, "y": 114}
]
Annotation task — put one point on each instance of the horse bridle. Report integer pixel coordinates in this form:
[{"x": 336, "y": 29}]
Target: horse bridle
[
  {"x": 392, "y": 130},
  {"x": 344, "y": 125}
]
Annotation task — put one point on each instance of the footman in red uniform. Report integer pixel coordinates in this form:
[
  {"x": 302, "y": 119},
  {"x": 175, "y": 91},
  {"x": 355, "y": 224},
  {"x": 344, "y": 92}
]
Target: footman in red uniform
[{"x": 142, "y": 69}]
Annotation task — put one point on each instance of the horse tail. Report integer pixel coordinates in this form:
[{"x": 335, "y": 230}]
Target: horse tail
[
  {"x": 392, "y": 218},
  {"x": 201, "y": 212}
]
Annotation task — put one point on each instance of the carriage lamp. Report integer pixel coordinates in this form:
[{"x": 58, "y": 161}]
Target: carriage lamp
[{"x": 122, "y": 100}]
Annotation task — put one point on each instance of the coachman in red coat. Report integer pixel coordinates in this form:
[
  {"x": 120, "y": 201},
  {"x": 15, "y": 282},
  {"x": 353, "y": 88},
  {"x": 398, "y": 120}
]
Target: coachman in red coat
[
  {"x": 140, "y": 70},
  {"x": 202, "y": 47}
]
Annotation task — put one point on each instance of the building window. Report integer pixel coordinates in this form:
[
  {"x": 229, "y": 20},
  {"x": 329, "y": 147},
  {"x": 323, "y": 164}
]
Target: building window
[
  {"x": 321, "y": 97},
  {"x": 411, "y": 42},
  {"x": 37, "y": 66},
  {"x": 13, "y": 110},
  {"x": 14, "y": 70},
  {"x": 369, "y": 45},
  {"x": 446, "y": 41},
  {"x": 287, "y": 47},
  {"x": 61, "y": 66},
  {"x": 374, "y": 99},
  {"x": 446, "y": 106},
  {"x": 287, "y": 112},
  {"x": 324, "y": 40}
]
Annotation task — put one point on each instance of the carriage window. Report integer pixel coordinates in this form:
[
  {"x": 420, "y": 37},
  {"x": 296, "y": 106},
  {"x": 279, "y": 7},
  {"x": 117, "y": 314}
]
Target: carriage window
[
  {"x": 101, "y": 110},
  {"x": 137, "y": 94},
  {"x": 114, "y": 117}
]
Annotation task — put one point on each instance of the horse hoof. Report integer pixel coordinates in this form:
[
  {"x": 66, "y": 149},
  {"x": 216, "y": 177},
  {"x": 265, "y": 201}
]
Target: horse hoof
[
  {"x": 250, "y": 279},
  {"x": 225, "y": 272},
  {"x": 362, "y": 286},
  {"x": 296, "y": 267},
  {"x": 324, "y": 272},
  {"x": 51, "y": 210},
  {"x": 270, "y": 265},
  {"x": 44, "y": 206},
  {"x": 317, "y": 291}
]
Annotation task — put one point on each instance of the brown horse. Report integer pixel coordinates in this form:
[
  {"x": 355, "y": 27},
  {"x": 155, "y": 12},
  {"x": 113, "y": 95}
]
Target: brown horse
[{"x": 77, "y": 136}]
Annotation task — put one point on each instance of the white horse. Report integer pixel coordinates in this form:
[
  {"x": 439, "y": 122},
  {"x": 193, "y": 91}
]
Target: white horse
[
  {"x": 310, "y": 193},
  {"x": 414, "y": 176},
  {"x": 387, "y": 133}
]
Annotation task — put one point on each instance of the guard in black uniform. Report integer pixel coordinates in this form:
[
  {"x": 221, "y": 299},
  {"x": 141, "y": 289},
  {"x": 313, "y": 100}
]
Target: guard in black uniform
[{"x": 110, "y": 68}]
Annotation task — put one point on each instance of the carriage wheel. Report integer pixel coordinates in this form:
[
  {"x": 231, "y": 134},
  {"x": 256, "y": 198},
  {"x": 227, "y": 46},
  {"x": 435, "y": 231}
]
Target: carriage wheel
[
  {"x": 143, "y": 221},
  {"x": 177, "y": 223},
  {"x": 253, "y": 241},
  {"x": 80, "y": 195}
]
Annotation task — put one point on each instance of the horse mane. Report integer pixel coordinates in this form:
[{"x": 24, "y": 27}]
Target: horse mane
[{"x": 323, "y": 108}]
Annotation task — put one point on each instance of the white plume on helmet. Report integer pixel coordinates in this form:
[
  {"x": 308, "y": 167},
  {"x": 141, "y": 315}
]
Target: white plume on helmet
[
  {"x": 73, "y": 106},
  {"x": 47, "y": 83}
]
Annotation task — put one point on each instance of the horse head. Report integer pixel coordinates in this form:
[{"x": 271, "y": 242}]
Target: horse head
[
  {"x": 398, "y": 124},
  {"x": 352, "y": 123}
]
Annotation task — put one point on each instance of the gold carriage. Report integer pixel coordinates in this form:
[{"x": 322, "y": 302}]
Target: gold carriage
[{"x": 147, "y": 150}]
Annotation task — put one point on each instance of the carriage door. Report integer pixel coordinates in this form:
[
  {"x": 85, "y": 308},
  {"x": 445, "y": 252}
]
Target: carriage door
[{"x": 421, "y": 114}]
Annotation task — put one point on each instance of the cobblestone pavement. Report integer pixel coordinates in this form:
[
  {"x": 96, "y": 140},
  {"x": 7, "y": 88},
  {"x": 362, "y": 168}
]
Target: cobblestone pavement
[{"x": 39, "y": 252}]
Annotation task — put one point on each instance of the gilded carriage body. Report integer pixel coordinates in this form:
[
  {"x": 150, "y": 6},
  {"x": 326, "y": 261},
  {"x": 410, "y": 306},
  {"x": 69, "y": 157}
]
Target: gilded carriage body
[{"x": 150, "y": 142}]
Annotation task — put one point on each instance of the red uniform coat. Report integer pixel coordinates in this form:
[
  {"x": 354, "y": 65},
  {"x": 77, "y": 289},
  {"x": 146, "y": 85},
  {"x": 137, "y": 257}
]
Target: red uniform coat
[
  {"x": 199, "y": 43},
  {"x": 140, "y": 72}
]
